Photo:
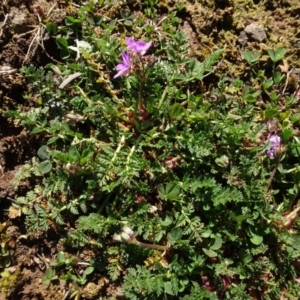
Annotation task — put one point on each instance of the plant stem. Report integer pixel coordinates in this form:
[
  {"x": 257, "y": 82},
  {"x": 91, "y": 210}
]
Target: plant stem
[
  {"x": 142, "y": 76},
  {"x": 273, "y": 173},
  {"x": 149, "y": 246}
]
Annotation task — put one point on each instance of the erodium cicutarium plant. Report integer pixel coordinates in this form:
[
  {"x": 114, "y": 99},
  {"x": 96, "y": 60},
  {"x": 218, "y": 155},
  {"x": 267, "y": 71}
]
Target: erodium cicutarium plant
[
  {"x": 134, "y": 60},
  {"x": 176, "y": 187}
]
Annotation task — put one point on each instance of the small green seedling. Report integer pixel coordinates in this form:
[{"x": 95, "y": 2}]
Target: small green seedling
[
  {"x": 267, "y": 84},
  {"x": 278, "y": 77},
  {"x": 250, "y": 95},
  {"x": 250, "y": 57},
  {"x": 49, "y": 276},
  {"x": 277, "y": 55}
]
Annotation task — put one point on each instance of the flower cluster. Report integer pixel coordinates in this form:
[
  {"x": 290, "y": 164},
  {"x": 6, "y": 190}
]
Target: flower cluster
[
  {"x": 274, "y": 144},
  {"x": 124, "y": 236},
  {"x": 137, "y": 48}
]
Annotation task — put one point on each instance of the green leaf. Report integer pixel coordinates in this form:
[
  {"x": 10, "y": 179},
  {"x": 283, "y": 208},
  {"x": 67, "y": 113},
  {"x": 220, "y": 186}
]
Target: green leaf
[
  {"x": 45, "y": 166},
  {"x": 45, "y": 280},
  {"x": 274, "y": 96},
  {"x": 89, "y": 270},
  {"x": 217, "y": 244},
  {"x": 169, "y": 192},
  {"x": 74, "y": 153},
  {"x": 86, "y": 155},
  {"x": 38, "y": 130},
  {"x": 267, "y": 84},
  {"x": 62, "y": 43},
  {"x": 271, "y": 54},
  {"x": 63, "y": 157},
  {"x": 277, "y": 55},
  {"x": 268, "y": 114},
  {"x": 61, "y": 257},
  {"x": 53, "y": 139},
  {"x": 247, "y": 55},
  {"x": 209, "y": 252},
  {"x": 286, "y": 134},
  {"x": 278, "y": 77},
  {"x": 177, "y": 112},
  {"x": 206, "y": 233},
  {"x": 256, "y": 239},
  {"x": 250, "y": 57},
  {"x": 49, "y": 275},
  {"x": 112, "y": 23},
  {"x": 199, "y": 69},
  {"x": 250, "y": 95},
  {"x": 128, "y": 23},
  {"x": 214, "y": 296},
  {"x": 142, "y": 126},
  {"x": 71, "y": 21},
  {"x": 51, "y": 28},
  {"x": 250, "y": 99},
  {"x": 174, "y": 235},
  {"x": 295, "y": 149},
  {"x": 168, "y": 220},
  {"x": 241, "y": 218},
  {"x": 168, "y": 288},
  {"x": 43, "y": 152},
  {"x": 295, "y": 238}
]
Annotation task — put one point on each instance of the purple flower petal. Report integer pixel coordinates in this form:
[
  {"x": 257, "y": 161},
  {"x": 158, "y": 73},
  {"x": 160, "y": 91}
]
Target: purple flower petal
[
  {"x": 275, "y": 140},
  {"x": 139, "y": 47},
  {"x": 274, "y": 144},
  {"x": 124, "y": 67}
]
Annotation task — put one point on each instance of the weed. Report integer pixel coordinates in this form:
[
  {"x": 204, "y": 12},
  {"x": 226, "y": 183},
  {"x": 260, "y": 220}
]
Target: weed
[{"x": 205, "y": 178}]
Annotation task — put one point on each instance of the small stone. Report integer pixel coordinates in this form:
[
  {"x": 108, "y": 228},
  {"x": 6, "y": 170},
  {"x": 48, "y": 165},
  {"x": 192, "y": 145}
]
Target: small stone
[
  {"x": 256, "y": 32},
  {"x": 243, "y": 39}
]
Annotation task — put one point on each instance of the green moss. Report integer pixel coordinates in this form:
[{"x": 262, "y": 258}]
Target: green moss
[{"x": 8, "y": 282}]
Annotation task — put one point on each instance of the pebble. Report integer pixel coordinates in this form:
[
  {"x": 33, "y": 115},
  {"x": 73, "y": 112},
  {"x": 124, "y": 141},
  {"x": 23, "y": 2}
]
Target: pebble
[
  {"x": 243, "y": 39},
  {"x": 256, "y": 32}
]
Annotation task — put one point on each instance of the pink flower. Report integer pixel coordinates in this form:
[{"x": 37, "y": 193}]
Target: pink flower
[
  {"x": 127, "y": 65},
  {"x": 139, "y": 47},
  {"x": 124, "y": 66},
  {"x": 274, "y": 144}
]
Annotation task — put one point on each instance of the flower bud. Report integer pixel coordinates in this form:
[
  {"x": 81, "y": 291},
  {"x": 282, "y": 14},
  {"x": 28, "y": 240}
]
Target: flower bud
[
  {"x": 117, "y": 237},
  {"x": 127, "y": 230},
  {"x": 125, "y": 237},
  {"x": 153, "y": 209}
]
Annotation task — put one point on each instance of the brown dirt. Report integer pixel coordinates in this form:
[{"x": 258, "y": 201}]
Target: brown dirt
[
  {"x": 18, "y": 26},
  {"x": 218, "y": 24}
]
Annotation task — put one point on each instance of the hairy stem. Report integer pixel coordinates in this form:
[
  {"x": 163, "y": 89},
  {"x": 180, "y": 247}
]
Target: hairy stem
[{"x": 149, "y": 246}]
